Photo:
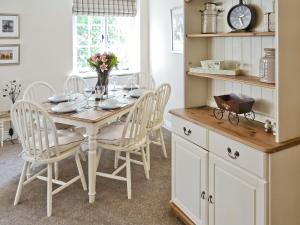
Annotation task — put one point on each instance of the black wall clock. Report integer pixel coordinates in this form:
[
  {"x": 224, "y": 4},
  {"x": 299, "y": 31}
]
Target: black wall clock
[{"x": 241, "y": 17}]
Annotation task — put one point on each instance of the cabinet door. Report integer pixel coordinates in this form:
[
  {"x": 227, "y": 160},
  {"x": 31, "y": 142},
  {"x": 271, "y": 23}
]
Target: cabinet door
[
  {"x": 236, "y": 197},
  {"x": 189, "y": 179}
]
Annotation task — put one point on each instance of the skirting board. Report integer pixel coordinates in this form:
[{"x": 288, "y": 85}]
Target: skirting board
[
  {"x": 167, "y": 125},
  {"x": 180, "y": 215}
]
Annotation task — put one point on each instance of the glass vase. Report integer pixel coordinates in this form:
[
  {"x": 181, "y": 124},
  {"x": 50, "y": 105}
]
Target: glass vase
[{"x": 102, "y": 81}]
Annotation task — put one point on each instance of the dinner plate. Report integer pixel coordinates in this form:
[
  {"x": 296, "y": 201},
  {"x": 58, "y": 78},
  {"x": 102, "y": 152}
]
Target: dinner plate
[
  {"x": 64, "y": 107},
  {"x": 59, "y": 98},
  {"x": 129, "y": 88},
  {"x": 136, "y": 93},
  {"x": 111, "y": 104}
]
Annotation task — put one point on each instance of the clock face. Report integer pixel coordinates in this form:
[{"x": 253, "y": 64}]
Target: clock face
[{"x": 240, "y": 17}]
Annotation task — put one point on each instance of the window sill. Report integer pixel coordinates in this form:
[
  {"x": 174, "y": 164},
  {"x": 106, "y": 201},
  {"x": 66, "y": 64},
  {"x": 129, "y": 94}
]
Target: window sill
[{"x": 88, "y": 75}]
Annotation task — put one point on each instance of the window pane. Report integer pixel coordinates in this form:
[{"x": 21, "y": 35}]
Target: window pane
[
  {"x": 92, "y": 37},
  {"x": 97, "y": 20},
  {"x": 112, "y": 20},
  {"x": 82, "y": 35},
  {"x": 96, "y": 50},
  {"x": 82, "y": 20},
  {"x": 113, "y": 35},
  {"x": 82, "y": 56},
  {"x": 119, "y": 35},
  {"x": 97, "y": 35}
]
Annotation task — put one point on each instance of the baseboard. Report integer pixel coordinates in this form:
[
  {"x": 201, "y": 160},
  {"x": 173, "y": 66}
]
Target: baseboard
[
  {"x": 167, "y": 125},
  {"x": 180, "y": 215}
]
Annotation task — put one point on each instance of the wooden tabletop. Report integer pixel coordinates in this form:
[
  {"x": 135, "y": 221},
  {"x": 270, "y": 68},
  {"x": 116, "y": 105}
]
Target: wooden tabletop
[
  {"x": 92, "y": 115},
  {"x": 248, "y": 133},
  {"x": 4, "y": 115}
]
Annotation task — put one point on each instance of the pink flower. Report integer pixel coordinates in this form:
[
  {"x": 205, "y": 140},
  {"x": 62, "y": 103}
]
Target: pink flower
[
  {"x": 104, "y": 58},
  {"x": 103, "y": 67}
]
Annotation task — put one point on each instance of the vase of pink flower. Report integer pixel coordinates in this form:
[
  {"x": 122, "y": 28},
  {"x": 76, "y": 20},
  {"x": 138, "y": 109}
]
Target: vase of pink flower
[{"x": 103, "y": 64}]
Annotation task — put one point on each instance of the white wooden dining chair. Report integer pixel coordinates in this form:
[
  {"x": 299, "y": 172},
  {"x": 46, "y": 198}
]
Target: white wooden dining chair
[
  {"x": 162, "y": 95},
  {"x": 129, "y": 137},
  {"x": 75, "y": 84},
  {"x": 38, "y": 92},
  {"x": 146, "y": 81},
  {"x": 42, "y": 143}
]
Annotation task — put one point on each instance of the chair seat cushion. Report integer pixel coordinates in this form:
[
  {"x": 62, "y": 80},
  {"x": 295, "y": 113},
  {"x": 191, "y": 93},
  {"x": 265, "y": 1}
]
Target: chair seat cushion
[
  {"x": 111, "y": 134},
  {"x": 66, "y": 140}
]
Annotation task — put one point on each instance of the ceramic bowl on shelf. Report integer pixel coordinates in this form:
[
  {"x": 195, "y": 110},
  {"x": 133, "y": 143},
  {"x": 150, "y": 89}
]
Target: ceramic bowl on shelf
[{"x": 213, "y": 64}]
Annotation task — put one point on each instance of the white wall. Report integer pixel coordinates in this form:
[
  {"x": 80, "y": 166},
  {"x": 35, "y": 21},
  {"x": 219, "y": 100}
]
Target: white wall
[
  {"x": 165, "y": 66},
  {"x": 45, "y": 39}
]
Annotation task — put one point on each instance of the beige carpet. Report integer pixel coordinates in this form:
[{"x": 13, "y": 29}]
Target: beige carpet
[{"x": 149, "y": 204}]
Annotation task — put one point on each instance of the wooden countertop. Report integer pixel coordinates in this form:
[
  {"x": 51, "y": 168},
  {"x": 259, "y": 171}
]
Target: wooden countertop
[{"x": 248, "y": 133}]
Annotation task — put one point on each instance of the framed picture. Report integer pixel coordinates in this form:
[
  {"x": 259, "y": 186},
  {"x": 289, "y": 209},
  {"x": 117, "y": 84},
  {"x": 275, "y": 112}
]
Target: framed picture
[
  {"x": 9, "y": 26},
  {"x": 177, "y": 29},
  {"x": 9, "y": 54}
]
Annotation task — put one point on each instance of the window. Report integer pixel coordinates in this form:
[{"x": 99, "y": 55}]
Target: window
[{"x": 93, "y": 34}]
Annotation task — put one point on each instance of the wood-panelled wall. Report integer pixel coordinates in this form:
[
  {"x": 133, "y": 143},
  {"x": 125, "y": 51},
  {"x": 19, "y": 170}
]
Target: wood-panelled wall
[{"x": 245, "y": 52}]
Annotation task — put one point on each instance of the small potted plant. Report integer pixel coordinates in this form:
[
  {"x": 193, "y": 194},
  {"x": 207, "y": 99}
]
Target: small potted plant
[
  {"x": 103, "y": 64},
  {"x": 12, "y": 90}
]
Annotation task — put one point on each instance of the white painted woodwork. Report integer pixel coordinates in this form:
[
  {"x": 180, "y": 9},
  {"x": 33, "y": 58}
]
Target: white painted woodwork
[
  {"x": 197, "y": 134},
  {"x": 244, "y": 51},
  {"x": 38, "y": 92},
  {"x": 288, "y": 68},
  {"x": 162, "y": 95},
  {"x": 41, "y": 144},
  {"x": 237, "y": 196},
  {"x": 196, "y": 89},
  {"x": 255, "y": 162},
  {"x": 189, "y": 179},
  {"x": 131, "y": 138},
  {"x": 284, "y": 187},
  {"x": 275, "y": 104},
  {"x": 75, "y": 84}
]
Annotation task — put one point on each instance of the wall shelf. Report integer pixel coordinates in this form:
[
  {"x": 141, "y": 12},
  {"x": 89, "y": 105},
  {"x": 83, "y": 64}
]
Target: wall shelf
[
  {"x": 242, "y": 34},
  {"x": 251, "y": 80}
]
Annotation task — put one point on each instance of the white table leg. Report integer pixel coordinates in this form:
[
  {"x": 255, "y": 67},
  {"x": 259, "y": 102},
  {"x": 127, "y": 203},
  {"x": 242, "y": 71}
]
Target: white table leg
[
  {"x": 2, "y": 133},
  {"x": 92, "y": 154}
]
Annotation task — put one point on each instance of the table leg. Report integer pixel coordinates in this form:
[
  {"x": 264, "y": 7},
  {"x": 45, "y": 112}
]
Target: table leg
[
  {"x": 2, "y": 133},
  {"x": 92, "y": 155}
]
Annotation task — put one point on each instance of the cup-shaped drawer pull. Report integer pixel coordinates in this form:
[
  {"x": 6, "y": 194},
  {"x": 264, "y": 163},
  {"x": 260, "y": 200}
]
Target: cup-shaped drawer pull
[
  {"x": 234, "y": 155},
  {"x": 186, "y": 131},
  {"x": 210, "y": 199},
  {"x": 203, "y": 195}
]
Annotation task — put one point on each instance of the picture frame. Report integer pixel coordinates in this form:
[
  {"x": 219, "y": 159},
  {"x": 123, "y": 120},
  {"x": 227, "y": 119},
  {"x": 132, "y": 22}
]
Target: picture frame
[
  {"x": 9, "y": 26},
  {"x": 177, "y": 23},
  {"x": 9, "y": 54}
]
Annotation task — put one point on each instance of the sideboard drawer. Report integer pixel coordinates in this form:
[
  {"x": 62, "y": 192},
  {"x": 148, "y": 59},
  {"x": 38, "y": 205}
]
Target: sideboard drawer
[
  {"x": 250, "y": 159},
  {"x": 190, "y": 131}
]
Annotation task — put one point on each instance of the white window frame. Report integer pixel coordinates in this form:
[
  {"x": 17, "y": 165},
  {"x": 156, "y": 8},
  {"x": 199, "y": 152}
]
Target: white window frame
[{"x": 76, "y": 46}]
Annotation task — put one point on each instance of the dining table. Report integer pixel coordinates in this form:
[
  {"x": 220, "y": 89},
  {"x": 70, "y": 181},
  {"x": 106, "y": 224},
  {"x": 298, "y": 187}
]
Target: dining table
[{"x": 92, "y": 119}]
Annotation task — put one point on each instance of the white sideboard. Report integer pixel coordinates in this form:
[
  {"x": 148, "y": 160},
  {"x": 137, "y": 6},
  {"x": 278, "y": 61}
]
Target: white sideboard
[{"x": 219, "y": 180}]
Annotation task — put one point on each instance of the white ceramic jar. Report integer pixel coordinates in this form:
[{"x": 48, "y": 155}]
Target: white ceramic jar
[
  {"x": 209, "y": 18},
  {"x": 267, "y": 66}
]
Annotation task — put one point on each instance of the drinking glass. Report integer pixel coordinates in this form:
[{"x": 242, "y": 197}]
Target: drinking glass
[{"x": 88, "y": 93}]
